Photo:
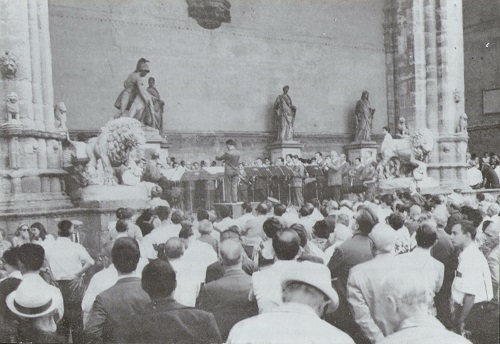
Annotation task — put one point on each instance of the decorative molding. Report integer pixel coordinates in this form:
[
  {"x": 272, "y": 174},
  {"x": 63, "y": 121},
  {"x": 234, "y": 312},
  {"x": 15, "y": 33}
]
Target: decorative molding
[
  {"x": 481, "y": 127},
  {"x": 38, "y": 134}
]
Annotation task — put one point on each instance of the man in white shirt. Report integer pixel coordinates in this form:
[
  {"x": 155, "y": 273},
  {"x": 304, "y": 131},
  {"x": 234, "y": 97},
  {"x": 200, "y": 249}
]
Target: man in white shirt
[
  {"x": 254, "y": 227},
  {"x": 133, "y": 230},
  {"x": 420, "y": 258},
  {"x": 307, "y": 297},
  {"x": 101, "y": 281},
  {"x": 227, "y": 221},
  {"x": 159, "y": 235},
  {"x": 248, "y": 214},
  {"x": 266, "y": 287},
  {"x": 472, "y": 284},
  {"x": 69, "y": 261},
  {"x": 474, "y": 175}
]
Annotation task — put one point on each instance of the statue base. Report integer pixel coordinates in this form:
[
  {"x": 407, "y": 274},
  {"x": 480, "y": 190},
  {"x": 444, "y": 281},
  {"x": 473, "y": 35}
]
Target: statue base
[
  {"x": 281, "y": 149},
  {"x": 107, "y": 197},
  {"x": 12, "y": 124},
  {"x": 426, "y": 185},
  {"x": 155, "y": 143},
  {"x": 365, "y": 150}
]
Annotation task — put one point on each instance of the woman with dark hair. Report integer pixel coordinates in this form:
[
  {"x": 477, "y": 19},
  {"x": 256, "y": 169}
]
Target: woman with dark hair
[
  {"x": 22, "y": 235},
  {"x": 39, "y": 235},
  {"x": 146, "y": 221}
]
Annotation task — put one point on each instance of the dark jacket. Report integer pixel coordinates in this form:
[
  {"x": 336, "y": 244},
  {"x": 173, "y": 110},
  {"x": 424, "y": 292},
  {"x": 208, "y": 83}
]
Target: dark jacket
[
  {"x": 216, "y": 270},
  {"x": 8, "y": 321},
  {"x": 166, "y": 321},
  {"x": 227, "y": 299},
  {"x": 113, "y": 307}
]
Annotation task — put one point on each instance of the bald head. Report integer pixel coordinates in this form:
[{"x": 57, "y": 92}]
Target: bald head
[
  {"x": 384, "y": 238},
  {"x": 231, "y": 253},
  {"x": 415, "y": 212}
]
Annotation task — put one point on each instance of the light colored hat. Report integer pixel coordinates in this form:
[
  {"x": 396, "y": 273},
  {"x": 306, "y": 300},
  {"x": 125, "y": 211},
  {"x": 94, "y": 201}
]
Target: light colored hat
[
  {"x": 77, "y": 222},
  {"x": 32, "y": 299},
  {"x": 316, "y": 275}
]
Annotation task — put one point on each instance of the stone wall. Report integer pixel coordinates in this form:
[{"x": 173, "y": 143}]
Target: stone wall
[
  {"x": 227, "y": 79},
  {"x": 482, "y": 71}
]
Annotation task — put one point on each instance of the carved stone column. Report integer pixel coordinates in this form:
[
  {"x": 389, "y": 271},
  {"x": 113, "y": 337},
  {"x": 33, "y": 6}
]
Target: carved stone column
[
  {"x": 34, "y": 159},
  {"x": 425, "y": 40}
]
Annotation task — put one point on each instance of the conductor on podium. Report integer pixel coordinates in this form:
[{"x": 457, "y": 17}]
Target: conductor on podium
[{"x": 231, "y": 160}]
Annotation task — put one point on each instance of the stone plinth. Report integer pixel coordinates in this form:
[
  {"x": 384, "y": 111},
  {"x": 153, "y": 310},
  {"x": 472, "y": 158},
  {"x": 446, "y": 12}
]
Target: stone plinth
[
  {"x": 114, "y": 197},
  {"x": 155, "y": 143},
  {"x": 281, "y": 149},
  {"x": 365, "y": 150}
]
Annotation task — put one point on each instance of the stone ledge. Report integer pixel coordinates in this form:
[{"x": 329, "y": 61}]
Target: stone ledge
[{"x": 39, "y": 134}]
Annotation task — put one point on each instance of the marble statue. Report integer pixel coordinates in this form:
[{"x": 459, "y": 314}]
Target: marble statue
[
  {"x": 402, "y": 129},
  {"x": 364, "y": 118},
  {"x": 12, "y": 101},
  {"x": 414, "y": 149},
  {"x": 113, "y": 146},
  {"x": 158, "y": 105},
  {"x": 8, "y": 66},
  {"x": 462, "y": 124},
  {"x": 285, "y": 115},
  {"x": 135, "y": 101},
  {"x": 60, "y": 116}
]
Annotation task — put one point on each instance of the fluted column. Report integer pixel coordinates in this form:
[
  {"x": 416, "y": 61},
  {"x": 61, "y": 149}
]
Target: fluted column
[{"x": 428, "y": 79}]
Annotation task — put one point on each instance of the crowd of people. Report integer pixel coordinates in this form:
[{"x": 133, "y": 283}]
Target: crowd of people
[{"x": 395, "y": 268}]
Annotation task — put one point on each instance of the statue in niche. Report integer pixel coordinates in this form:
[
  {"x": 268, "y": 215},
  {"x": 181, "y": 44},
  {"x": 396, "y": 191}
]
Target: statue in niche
[
  {"x": 364, "y": 118},
  {"x": 135, "y": 101},
  {"x": 462, "y": 124},
  {"x": 12, "y": 101},
  {"x": 8, "y": 66},
  {"x": 158, "y": 105},
  {"x": 60, "y": 116},
  {"x": 402, "y": 129},
  {"x": 285, "y": 115}
]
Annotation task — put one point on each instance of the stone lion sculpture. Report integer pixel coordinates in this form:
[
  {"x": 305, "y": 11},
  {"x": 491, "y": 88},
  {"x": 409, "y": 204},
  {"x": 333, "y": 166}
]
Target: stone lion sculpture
[
  {"x": 113, "y": 146},
  {"x": 414, "y": 149}
]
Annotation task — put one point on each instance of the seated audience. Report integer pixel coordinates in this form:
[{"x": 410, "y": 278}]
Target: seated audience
[{"x": 205, "y": 228}]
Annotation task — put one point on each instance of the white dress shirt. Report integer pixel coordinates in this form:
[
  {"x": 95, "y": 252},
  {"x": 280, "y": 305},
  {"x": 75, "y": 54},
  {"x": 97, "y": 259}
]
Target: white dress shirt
[
  {"x": 66, "y": 258},
  {"x": 133, "y": 230},
  {"x": 243, "y": 220},
  {"x": 421, "y": 261},
  {"x": 101, "y": 281},
  {"x": 289, "y": 323},
  {"x": 472, "y": 276},
  {"x": 188, "y": 284},
  {"x": 157, "y": 236},
  {"x": 225, "y": 223}
]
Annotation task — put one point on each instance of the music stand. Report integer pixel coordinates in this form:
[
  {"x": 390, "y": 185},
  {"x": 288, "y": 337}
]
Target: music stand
[
  {"x": 288, "y": 173},
  {"x": 190, "y": 177},
  {"x": 277, "y": 172},
  {"x": 211, "y": 174},
  {"x": 253, "y": 172}
]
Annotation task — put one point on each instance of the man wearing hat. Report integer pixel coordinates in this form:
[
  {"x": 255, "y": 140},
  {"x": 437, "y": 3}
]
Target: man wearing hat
[
  {"x": 35, "y": 301},
  {"x": 231, "y": 160},
  {"x": 307, "y": 296}
]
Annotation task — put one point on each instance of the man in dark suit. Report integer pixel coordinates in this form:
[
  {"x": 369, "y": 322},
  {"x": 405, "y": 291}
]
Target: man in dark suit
[
  {"x": 216, "y": 270},
  {"x": 333, "y": 166},
  {"x": 126, "y": 298},
  {"x": 8, "y": 322},
  {"x": 164, "y": 320},
  {"x": 227, "y": 297}
]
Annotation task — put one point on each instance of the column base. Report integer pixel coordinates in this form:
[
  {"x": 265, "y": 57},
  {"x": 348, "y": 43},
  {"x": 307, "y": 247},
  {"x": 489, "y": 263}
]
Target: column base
[
  {"x": 365, "y": 150},
  {"x": 281, "y": 149}
]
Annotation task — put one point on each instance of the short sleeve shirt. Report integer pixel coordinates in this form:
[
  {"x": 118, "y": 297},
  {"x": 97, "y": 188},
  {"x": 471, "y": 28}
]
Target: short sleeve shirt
[{"x": 472, "y": 276}]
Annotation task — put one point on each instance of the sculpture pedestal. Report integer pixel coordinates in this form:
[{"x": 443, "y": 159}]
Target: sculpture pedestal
[
  {"x": 155, "y": 143},
  {"x": 281, "y": 149},
  {"x": 365, "y": 150}
]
